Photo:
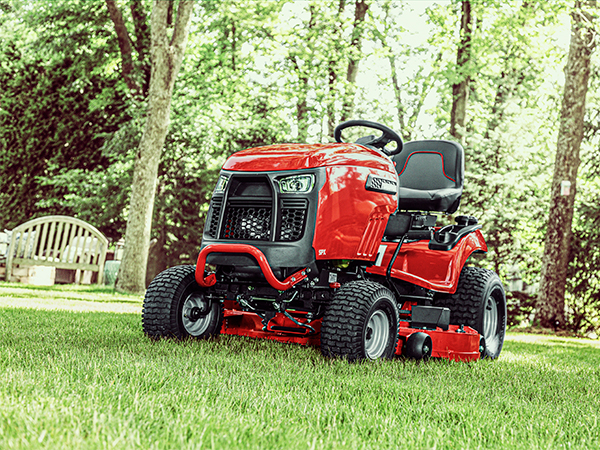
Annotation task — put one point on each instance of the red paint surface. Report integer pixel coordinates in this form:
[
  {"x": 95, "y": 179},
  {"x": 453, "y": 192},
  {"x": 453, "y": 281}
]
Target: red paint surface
[
  {"x": 351, "y": 220},
  {"x": 450, "y": 344},
  {"x": 243, "y": 323},
  {"x": 432, "y": 269},
  {"x": 307, "y": 156}
]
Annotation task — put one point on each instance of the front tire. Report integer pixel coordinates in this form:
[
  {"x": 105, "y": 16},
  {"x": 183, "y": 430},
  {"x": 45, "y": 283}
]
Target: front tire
[
  {"x": 175, "y": 306},
  {"x": 480, "y": 303},
  {"x": 361, "y": 322}
]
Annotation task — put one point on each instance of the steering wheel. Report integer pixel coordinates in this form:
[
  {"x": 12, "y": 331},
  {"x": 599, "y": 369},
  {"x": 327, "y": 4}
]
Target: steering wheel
[{"x": 380, "y": 142}]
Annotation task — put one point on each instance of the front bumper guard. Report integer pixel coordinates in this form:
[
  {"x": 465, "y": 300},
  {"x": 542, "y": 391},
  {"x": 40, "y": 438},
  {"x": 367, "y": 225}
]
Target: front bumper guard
[{"x": 211, "y": 279}]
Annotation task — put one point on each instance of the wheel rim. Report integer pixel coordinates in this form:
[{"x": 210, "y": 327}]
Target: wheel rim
[
  {"x": 377, "y": 335},
  {"x": 490, "y": 324},
  {"x": 196, "y": 314}
]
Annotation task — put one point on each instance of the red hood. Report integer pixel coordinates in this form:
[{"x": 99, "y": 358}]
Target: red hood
[{"x": 306, "y": 156}]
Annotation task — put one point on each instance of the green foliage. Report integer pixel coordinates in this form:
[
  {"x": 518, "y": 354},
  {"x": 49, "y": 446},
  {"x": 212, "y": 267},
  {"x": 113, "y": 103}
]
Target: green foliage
[
  {"x": 57, "y": 93},
  {"x": 583, "y": 285}
]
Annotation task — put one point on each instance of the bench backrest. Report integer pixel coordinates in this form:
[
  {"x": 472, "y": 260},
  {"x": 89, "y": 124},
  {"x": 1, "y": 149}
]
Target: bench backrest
[{"x": 57, "y": 241}]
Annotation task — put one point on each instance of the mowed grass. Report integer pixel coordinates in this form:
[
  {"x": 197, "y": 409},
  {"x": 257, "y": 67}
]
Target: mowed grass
[{"x": 86, "y": 379}]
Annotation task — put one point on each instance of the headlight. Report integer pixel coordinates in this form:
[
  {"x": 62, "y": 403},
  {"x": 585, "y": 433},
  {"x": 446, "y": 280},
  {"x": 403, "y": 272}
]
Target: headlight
[
  {"x": 296, "y": 183},
  {"x": 221, "y": 184}
]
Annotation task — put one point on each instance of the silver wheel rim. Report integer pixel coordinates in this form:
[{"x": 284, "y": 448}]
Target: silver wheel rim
[
  {"x": 490, "y": 324},
  {"x": 195, "y": 327},
  {"x": 377, "y": 335}
]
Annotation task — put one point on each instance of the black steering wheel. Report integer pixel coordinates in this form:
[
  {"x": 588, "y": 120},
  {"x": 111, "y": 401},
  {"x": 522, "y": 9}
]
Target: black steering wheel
[{"x": 380, "y": 142}]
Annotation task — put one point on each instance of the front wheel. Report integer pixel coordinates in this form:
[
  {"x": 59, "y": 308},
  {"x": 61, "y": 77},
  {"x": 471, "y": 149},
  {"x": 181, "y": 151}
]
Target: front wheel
[
  {"x": 175, "y": 306},
  {"x": 480, "y": 303},
  {"x": 361, "y": 322}
]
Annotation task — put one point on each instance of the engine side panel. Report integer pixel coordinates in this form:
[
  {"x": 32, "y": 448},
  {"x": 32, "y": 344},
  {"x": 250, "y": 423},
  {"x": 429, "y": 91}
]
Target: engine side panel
[{"x": 351, "y": 219}]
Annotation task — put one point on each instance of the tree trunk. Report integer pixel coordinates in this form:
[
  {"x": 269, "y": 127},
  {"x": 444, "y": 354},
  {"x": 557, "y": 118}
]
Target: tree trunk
[
  {"x": 550, "y": 303},
  {"x": 166, "y": 60},
  {"x": 460, "y": 90},
  {"x": 124, "y": 45},
  {"x": 360, "y": 11},
  {"x": 142, "y": 41},
  {"x": 333, "y": 75}
]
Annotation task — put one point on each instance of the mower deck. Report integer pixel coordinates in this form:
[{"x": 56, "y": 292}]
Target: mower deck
[{"x": 456, "y": 343}]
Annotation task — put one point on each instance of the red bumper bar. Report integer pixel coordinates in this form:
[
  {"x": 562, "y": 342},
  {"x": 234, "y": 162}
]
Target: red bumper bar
[{"x": 210, "y": 280}]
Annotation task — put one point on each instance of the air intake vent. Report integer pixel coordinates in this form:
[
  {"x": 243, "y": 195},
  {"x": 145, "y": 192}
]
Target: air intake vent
[
  {"x": 248, "y": 220},
  {"x": 215, "y": 212},
  {"x": 293, "y": 219}
]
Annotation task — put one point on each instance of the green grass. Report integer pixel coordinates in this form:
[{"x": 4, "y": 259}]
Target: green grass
[
  {"x": 73, "y": 379},
  {"x": 69, "y": 297}
]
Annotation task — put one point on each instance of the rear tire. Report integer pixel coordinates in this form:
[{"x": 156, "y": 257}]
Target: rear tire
[
  {"x": 361, "y": 322},
  {"x": 175, "y": 306},
  {"x": 480, "y": 303}
]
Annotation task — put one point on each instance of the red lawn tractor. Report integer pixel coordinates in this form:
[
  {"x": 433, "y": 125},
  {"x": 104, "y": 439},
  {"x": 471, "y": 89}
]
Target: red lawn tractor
[{"x": 336, "y": 245}]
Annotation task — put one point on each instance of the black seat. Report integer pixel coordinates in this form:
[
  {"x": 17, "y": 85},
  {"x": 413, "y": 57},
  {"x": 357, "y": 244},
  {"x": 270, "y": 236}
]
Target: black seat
[{"x": 431, "y": 175}]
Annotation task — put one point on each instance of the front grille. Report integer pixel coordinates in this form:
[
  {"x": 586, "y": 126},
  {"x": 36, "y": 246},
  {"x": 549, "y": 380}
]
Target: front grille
[
  {"x": 215, "y": 208},
  {"x": 250, "y": 210},
  {"x": 293, "y": 218},
  {"x": 245, "y": 221}
]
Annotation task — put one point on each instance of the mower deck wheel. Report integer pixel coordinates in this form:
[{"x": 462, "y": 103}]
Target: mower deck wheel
[
  {"x": 361, "y": 322},
  {"x": 175, "y": 306},
  {"x": 480, "y": 303},
  {"x": 418, "y": 346}
]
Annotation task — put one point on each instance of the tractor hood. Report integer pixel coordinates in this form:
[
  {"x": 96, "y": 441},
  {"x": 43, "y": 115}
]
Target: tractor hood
[{"x": 307, "y": 156}]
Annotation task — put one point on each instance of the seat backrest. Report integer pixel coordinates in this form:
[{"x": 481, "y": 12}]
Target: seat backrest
[{"x": 431, "y": 175}]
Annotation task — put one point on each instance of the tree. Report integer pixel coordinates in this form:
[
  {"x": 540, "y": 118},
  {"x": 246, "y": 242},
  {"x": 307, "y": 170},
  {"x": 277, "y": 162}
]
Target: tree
[
  {"x": 167, "y": 56},
  {"x": 550, "y": 302},
  {"x": 460, "y": 89},
  {"x": 360, "y": 11},
  {"x": 412, "y": 68},
  {"x": 58, "y": 97}
]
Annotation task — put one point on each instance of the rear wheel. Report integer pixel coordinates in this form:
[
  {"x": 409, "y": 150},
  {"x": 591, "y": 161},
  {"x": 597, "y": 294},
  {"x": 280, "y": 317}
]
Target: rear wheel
[
  {"x": 480, "y": 303},
  {"x": 175, "y": 306},
  {"x": 361, "y": 322}
]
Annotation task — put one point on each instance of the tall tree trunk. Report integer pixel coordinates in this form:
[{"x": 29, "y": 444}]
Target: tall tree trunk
[
  {"x": 360, "y": 11},
  {"x": 302, "y": 115},
  {"x": 124, "y": 45},
  {"x": 166, "y": 56},
  {"x": 551, "y": 297},
  {"x": 460, "y": 90},
  {"x": 142, "y": 41},
  {"x": 333, "y": 74}
]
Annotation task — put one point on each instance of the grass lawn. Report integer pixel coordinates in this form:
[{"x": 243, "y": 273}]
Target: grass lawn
[{"x": 83, "y": 375}]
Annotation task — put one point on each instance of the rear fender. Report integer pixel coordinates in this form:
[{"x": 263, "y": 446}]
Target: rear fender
[{"x": 437, "y": 270}]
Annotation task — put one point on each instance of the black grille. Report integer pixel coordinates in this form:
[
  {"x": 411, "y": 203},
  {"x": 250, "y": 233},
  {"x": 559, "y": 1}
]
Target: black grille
[
  {"x": 293, "y": 218},
  {"x": 215, "y": 207},
  {"x": 248, "y": 222}
]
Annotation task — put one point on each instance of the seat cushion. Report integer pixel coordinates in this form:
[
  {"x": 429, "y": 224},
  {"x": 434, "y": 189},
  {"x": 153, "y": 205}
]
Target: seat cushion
[{"x": 445, "y": 200}]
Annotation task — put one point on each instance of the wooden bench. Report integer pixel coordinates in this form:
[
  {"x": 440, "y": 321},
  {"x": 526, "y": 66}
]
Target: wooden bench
[{"x": 57, "y": 241}]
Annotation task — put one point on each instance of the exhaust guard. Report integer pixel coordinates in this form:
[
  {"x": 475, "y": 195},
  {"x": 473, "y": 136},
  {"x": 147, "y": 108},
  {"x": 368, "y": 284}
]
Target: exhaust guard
[{"x": 261, "y": 259}]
